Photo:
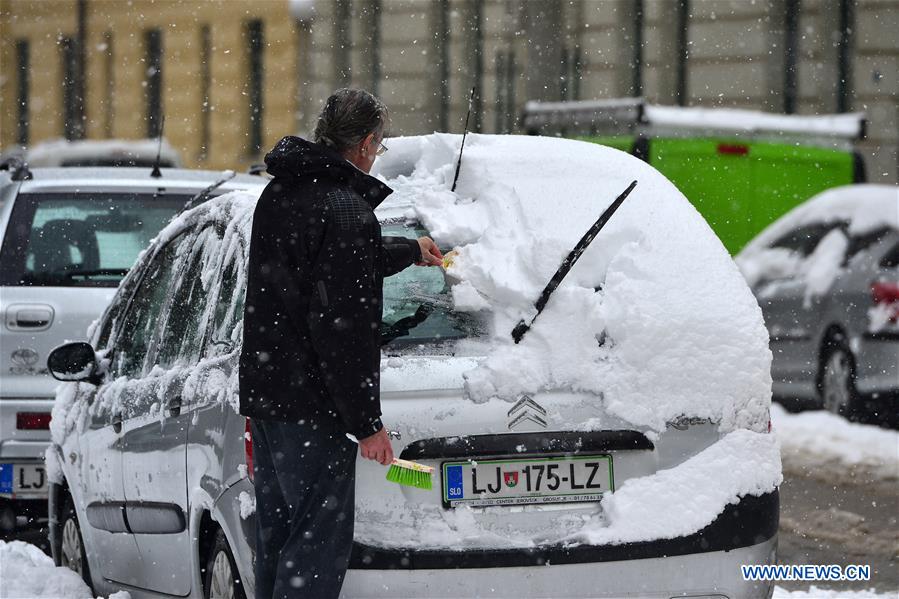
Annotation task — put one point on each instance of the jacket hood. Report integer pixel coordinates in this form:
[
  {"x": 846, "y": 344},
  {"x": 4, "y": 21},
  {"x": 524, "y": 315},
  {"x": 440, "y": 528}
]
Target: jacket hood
[{"x": 297, "y": 158}]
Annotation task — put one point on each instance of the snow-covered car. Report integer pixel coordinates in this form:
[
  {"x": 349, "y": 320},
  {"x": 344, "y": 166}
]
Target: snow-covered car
[
  {"x": 103, "y": 152},
  {"x": 826, "y": 276},
  {"x": 69, "y": 235},
  {"x": 622, "y": 448}
]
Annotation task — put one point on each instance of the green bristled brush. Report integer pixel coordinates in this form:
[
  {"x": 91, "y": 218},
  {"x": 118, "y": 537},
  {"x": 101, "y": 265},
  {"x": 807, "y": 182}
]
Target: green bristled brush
[{"x": 410, "y": 474}]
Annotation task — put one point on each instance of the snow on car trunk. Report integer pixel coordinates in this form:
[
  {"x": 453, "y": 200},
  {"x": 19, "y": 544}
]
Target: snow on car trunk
[{"x": 655, "y": 317}]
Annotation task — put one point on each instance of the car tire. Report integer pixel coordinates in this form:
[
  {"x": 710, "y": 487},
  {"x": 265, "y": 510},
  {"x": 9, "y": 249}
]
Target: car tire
[
  {"x": 837, "y": 382},
  {"x": 72, "y": 553},
  {"x": 222, "y": 578}
]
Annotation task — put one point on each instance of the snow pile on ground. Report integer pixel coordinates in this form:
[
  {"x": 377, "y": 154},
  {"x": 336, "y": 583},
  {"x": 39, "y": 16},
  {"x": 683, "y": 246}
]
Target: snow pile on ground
[
  {"x": 28, "y": 572},
  {"x": 815, "y": 592},
  {"x": 654, "y": 316},
  {"x": 863, "y": 209},
  {"x": 819, "y": 439}
]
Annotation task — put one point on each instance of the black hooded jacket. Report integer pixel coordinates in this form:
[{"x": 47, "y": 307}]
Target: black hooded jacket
[{"x": 312, "y": 316}]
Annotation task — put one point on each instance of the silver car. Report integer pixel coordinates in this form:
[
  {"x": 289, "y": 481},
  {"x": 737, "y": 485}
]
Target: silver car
[
  {"x": 826, "y": 276},
  {"x": 152, "y": 486},
  {"x": 69, "y": 236}
]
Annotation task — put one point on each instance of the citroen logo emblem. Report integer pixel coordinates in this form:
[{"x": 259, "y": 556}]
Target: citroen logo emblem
[{"x": 526, "y": 410}]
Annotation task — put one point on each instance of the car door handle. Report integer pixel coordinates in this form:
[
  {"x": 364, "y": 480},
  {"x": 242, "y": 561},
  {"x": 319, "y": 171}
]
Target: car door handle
[
  {"x": 174, "y": 406},
  {"x": 117, "y": 423}
]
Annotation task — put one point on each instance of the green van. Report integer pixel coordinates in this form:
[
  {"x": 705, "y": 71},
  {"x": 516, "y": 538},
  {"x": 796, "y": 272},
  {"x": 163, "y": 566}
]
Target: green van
[{"x": 742, "y": 169}]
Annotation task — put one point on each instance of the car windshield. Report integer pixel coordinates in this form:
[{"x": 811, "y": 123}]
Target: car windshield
[
  {"x": 418, "y": 305},
  {"x": 80, "y": 239}
]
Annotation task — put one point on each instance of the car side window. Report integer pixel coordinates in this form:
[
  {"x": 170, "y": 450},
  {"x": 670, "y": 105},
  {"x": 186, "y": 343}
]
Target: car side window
[
  {"x": 805, "y": 239},
  {"x": 137, "y": 331},
  {"x": 891, "y": 258},
  {"x": 229, "y": 307},
  {"x": 184, "y": 326}
]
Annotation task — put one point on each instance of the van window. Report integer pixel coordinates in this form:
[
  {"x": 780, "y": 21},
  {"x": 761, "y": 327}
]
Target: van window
[
  {"x": 139, "y": 326},
  {"x": 184, "y": 325},
  {"x": 80, "y": 239}
]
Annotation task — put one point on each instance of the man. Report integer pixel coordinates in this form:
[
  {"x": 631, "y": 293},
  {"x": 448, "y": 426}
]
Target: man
[{"x": 309, "y": 366}]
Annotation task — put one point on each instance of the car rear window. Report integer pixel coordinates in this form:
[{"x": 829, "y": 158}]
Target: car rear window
[
  {"x": 805, "y": 239},
  {"x": 418, "y": 304},
  {"x": 80, "y": 239}
]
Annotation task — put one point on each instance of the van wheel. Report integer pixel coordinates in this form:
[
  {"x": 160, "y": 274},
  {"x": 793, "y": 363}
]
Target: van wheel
[
  {"x": 222, "y": 578},
  {"x": 838, "y": 392},
  {"x": 72, "y": 551}
]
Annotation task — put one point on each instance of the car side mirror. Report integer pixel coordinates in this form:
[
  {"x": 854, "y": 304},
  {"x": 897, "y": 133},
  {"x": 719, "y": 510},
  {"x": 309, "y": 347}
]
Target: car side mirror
[{"x": 73, "y": 362}]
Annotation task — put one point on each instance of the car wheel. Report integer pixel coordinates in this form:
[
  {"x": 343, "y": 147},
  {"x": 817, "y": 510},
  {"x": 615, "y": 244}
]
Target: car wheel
[
  {"x": 838, "y": 392},
  {"x": 72, "y": 551},
  {"x": 222, "y": 578}
]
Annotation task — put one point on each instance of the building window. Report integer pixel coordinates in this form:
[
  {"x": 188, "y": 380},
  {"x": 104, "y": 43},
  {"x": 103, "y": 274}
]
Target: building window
[
  {"x": 441, "y": 39},
  {"x": 476, "y": 31},
  {"x": 109, "y": 92},
  {"x": 572, "y": 70},
  {"x": 375, "y": 47},
  {"x": 505, "y": 91},
  {"x": 342, "y": 23},
  {"x": 205, "y": 86},
  {"x": 637, "y": 57},
  {"x": 22, "y": 72},
  {"x": 71, "y": 120},
  {"x": 255, "y": 48},
  {"x": 844, "y": 58},
  {"x": 153, "y": 47},
  {"x": 683, "y": 27},
  {"x": 791, "y": 41}
]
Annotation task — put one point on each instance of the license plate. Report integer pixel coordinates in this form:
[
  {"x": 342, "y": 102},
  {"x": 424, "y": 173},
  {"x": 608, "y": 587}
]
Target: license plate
[
  {"x": 527, "y": 481},
  {"x": 23, "y": 480}
]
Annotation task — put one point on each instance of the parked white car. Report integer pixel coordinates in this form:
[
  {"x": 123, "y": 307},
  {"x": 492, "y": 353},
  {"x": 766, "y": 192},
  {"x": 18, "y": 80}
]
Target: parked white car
[
  {"x": 69, "y": 235},
  {"x": 621, "y": 449}
]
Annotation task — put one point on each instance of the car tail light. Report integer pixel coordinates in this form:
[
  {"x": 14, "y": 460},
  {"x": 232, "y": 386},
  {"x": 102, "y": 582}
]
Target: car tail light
[
  {"x": 883, "y": 292},
  {"x": 31, "y": 421},
  {"x": 248, "y": 448},
  {"x": 733, "y": 149}
]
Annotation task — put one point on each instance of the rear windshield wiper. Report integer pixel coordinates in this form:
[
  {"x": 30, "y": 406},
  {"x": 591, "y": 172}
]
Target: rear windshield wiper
[
  {"x": 404, "y": 325},
  {"x": 204, "y": 195}
]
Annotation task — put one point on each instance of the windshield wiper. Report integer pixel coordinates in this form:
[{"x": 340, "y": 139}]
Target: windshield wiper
[
  {"x": 404, "y": 325},
  {"x": 204, "y": 195}
]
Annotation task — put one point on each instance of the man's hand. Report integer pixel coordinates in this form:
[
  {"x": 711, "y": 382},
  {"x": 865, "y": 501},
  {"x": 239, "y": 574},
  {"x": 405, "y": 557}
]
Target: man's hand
[
  {"x": 377, "y": 447},
  {"x": 430, "y": 253}
]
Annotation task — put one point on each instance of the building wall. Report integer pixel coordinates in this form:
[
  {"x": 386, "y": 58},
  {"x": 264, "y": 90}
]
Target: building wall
[{"x": 513, "y": 50}]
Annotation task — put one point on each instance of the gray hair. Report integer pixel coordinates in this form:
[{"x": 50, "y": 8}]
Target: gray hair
[{"x": 348, "y": 117}]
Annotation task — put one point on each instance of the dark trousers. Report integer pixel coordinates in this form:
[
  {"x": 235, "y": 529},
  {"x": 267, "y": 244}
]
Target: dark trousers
[{"x": 304, "y": 477}]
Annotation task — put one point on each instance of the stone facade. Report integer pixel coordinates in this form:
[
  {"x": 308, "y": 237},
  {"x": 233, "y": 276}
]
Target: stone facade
[{"x": 423, "y": 56}]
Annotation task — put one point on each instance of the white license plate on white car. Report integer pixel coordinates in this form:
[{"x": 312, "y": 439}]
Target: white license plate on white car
[
  {"x": 527, "y": 481},
  {"x": 23, "y": 480}
]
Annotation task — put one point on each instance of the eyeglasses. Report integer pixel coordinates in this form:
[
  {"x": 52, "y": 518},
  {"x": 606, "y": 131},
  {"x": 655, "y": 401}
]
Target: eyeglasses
[{"x": 382, "y": 149}]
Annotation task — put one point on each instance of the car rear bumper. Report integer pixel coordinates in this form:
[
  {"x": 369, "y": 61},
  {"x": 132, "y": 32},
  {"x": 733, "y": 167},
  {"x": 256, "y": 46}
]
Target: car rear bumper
[
  {"x": 715, "y": 573},
  {"x": 706, "y": 562}
]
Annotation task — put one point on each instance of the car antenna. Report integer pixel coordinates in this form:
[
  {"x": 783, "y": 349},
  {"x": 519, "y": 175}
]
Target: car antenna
[
  {"x": 464, "y": 133},
  {"x": 523, "y": 327},
  {"x": 156, "y": 173}
]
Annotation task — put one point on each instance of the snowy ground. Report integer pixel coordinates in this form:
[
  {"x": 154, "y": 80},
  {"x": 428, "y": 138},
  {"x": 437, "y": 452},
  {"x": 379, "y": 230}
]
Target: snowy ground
[
  {"x": 27, "y": 572},
  {"x": 824, "y": 444}
]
